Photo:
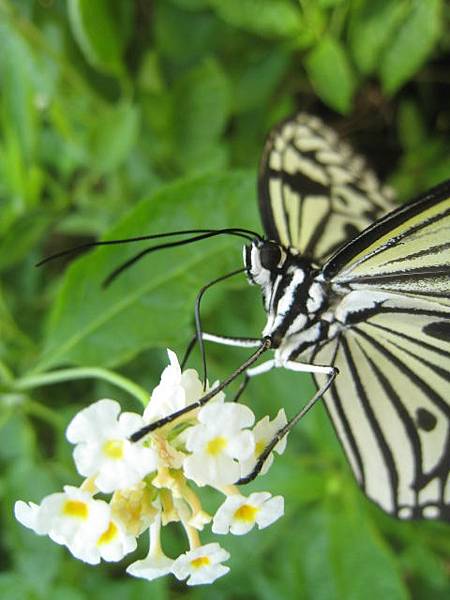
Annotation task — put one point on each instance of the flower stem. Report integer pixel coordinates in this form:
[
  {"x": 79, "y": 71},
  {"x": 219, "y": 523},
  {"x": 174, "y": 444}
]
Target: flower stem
[
  {"x": 62, "y": 375},
  {"x": 192, "y": 535}
]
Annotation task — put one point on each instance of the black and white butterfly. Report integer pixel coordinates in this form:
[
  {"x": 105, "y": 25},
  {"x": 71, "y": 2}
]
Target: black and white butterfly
[
  {"x": 357, "y": 292},
  {"x": 350, "y": 283}
]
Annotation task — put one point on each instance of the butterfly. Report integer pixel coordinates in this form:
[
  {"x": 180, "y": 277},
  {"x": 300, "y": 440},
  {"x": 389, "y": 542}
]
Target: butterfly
[
  {"x": 350, "y": 281},
  {"x": 357, "y": 292}
]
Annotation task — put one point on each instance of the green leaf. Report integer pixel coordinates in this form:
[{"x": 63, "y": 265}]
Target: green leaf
[
  {"x": 191, "y": 4},
  {"x": 312, "y": 547},
  {"x": 411, "y": 127},
  {"x": 314, "y": 24},
  {"x": 101, "y": 29},
  {"x": 114, "y": 135},
  {"x": 18, "y": 436},
  {"x": 372, "y": 26},
  {"x": 151, "y": 304},
  {"x": 412, "y": 44},
  {"x": 201, "y": 110},
  {"x": 269, "y": 18},
  {"x": 359, "y": 556},
  {"x": 65, "y": 592},
  {"x": 18, "y": 111},
  {"x": 173, "y": 26},
  {"x": 419, "y": 559},
  {"x": 12, "y": 586},
  {"x": 342, "y": 556},
  {"x": 131, "y": 590},
  {"x": 150, "y": 75},
  {"x": 257, "y": 78},
  {"x": 22, "y": 236},
  {"x": 331, "y": 74},
  {"x": 330, "y": 3}
]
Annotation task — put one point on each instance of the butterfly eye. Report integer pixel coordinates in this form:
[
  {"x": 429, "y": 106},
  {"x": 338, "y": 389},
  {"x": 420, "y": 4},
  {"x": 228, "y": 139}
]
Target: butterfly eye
[{"x": 270, "y": 256}]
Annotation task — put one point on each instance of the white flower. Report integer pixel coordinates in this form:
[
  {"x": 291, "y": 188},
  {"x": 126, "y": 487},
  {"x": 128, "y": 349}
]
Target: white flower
[
  {"x": 71, "y": 518},
  {"x": 114, "y": 543},
  {"x": 103, "y": 450},
  {"x": 28, "y": 515},
  {"x": 156, "y": 564},
  {"x": 202, "y": 565},
  {"x": 149, "y": 480},
  {"x": 264, "y": 431},
  {"x": 175, "y": 391},
  {"x": 238, "y": 514},
  {"x": 151, "y": 567},
  {"x": 218, "y": 442}
]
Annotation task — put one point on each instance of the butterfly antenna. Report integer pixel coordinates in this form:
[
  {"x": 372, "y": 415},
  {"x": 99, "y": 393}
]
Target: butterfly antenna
[
  {"x": 242, "y": 233},
  {"x": 78, "y": 249}
]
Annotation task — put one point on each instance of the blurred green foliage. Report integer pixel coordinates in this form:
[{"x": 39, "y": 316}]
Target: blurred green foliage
[{"x": 120, "y": 118}]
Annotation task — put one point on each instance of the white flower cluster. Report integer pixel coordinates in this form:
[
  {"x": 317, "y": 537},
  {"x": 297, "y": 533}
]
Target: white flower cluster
[{"x": 150, "y": 481}]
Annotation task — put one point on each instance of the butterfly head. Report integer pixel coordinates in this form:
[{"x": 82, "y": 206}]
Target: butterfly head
[
  {"x": 263, "y": 260},
  {"x": 291, "y": 294}
]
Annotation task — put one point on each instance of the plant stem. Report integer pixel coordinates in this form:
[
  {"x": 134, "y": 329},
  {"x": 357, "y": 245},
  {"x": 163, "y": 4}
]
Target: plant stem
[{"x": 61, "y": 375}]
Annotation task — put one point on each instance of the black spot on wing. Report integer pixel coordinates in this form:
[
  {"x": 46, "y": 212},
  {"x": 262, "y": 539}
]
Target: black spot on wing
[
  {"x": 425, "y": 420},
  {"x": 439, "y": 330}
]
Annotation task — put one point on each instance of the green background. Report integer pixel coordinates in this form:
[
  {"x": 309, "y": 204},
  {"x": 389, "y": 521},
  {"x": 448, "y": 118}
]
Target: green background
[{"x": 120, "y": 118}]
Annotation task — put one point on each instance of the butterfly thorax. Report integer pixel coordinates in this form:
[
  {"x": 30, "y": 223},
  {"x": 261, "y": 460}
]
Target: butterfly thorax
[{"x": 294, "y": 298}]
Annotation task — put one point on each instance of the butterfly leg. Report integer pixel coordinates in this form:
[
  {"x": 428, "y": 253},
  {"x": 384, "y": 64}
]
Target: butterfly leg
[
  {"x": 242, "y": 387},
  {"x": 298, "y": 367},
  {"x": 224, "y": 340},
  {"x": 237, "y": 342}
]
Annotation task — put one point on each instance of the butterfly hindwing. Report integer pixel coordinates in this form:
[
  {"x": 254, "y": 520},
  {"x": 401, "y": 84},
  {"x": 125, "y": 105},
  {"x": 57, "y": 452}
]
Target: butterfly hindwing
[
  {"x": 390, "y": 408},
  {"x": 315, "y": 193}
]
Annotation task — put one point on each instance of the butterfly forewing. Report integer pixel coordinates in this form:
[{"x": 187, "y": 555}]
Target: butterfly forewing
[
  {"x": 407, "y": 252},
  {"x": 315, "y": 193}
]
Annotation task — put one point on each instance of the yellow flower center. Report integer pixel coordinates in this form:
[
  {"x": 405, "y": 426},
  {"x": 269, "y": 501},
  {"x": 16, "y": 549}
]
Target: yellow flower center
[
  {"x": 259, "y": 447},
  {"x": 113, "y": 449},
  {"x": 216, "y": 445},
  {"x": 200, "y": 562},
  {"x": 76, "y": 509},
  {"x": 247, "y": 513},
  {"x": 108, "y": 535}
]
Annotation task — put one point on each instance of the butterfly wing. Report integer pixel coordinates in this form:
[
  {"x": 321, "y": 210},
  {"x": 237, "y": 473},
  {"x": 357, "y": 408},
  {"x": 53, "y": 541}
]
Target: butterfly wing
[
  {"x": 407, "y": 251},
  {"x": 315, "y": 193},
  {"x": 390, "y": 403}
]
